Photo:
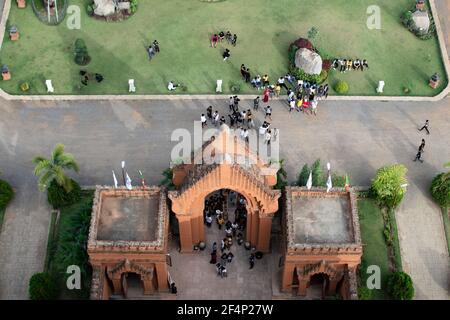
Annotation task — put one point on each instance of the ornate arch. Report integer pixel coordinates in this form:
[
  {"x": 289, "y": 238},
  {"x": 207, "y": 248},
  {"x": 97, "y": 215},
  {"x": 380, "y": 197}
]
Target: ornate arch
[
  {"x": 126, "y": 266},
  {"x": 234, "y": 177}
]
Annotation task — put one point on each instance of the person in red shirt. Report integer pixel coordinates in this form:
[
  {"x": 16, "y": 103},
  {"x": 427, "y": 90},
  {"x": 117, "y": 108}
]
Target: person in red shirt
[{"x": 214, "y": 40}]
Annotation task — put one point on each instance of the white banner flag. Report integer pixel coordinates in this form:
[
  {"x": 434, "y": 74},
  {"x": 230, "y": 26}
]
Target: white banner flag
[
  {"x": 329, "y": 183},
  {"x": 128, "y": 182},
  {"x": 115, "y": 179},
  {"x": 309, "y": 183}
]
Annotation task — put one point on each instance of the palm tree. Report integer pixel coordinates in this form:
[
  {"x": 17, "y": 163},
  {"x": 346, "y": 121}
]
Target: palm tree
[
  {"x": 447, "y": 174},
  {"x": 49, "y": 170}
]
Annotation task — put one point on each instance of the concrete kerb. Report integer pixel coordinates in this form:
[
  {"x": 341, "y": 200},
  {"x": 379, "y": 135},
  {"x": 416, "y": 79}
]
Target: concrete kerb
[{"x": 438, "y": 97}]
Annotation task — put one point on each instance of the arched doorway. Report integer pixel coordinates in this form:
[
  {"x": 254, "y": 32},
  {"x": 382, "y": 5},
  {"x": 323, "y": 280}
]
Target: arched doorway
[
  {"x": 189, "y": 204},
  {"x": 132, "y": 285},
  {"x": 225, "y": 210},
  {"x": 318, "y": 286}
]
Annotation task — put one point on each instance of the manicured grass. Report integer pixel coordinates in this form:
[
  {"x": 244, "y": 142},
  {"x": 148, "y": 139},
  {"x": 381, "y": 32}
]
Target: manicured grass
[
  {"x": 63, "y": 235},
  {"x": 265, "y": 28},
  {"x": 446, "y": 219},
  {"x": 375, "y": 250}
]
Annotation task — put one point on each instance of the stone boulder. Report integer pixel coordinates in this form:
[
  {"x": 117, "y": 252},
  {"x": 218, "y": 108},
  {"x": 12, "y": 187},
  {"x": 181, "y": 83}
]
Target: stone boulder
[
  {"x": 308, "y": 60},
  {"x": 104, "y": 8},
  {"x": 421, "y": 21}
]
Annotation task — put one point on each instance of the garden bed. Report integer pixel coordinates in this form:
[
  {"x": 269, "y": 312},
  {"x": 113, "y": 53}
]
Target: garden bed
[
  {"x": 67, "y": 246},
  {"x": 183, "y": 28},
  {"x": 375, "y": 250}
]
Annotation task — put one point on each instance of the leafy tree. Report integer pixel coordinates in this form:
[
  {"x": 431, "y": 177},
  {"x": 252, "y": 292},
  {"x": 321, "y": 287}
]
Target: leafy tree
[
  {"x": 387, "y": 185},
  {"x": 42, "y": 287},
  {"x": 440, "y": 188},
  {"x": 53, "y": 178},
  {"x": 281, "y": 176},
  {"x": 317, "y": 174},
  {"x": 303, "y": 176},
  {"x": 58, "y": 197},
  {"x": 6, "y": 193},
  {"x": 82, "y": 57},
  {"x": 400, "y": 286},
  {"x": 167, "y": 179},
  {"x": 338, "y": 180}
]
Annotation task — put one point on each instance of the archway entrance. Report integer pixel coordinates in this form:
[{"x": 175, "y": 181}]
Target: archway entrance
[
  {"x": 318, "y": 286},
  {"x": 225, "y": 217},
  {"x": 132, "y": 285}
]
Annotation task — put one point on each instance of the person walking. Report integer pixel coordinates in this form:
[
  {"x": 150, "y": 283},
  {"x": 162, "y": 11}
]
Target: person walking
[
  {"x": 277, "y": 90},
  {"x": 251, "y": 259},
  {"x": 256, "y": 103},
  {"x": 156, "y": 46},
  {"x": 425, "y": 126},
  {"x": 203, "y": 120},
  {"x": 226, "y": 54},
  {"x": 247, "y": 75},
  {"x": 209, "y": 113},
  {"x": 419, "y": 156},
  {"x": 268, "y": 137},
  {"x": 422, "y": 146},
  {"x": 216, "y": 118},
  {"x": 266, "y": 95},
  {"x": 268, "y": 113},
  {"x": 291, "y": 105},
  {"x": 243, "y": 71},
  {"x": 265, "y": 80},
  {"x": 213, "y": 257}
]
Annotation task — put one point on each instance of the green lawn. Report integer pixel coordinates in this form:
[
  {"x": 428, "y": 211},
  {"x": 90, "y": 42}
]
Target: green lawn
[
  {"x": 67, "y": 246},
  {"x": 375, "y": 251},
  {"x": 265, "y": 28}
]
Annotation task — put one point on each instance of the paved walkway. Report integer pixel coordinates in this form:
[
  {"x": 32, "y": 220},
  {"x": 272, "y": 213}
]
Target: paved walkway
[{"x": 356, "y": 137}]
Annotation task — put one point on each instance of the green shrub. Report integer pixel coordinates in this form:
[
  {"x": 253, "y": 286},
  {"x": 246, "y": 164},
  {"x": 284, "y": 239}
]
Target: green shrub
[
  {"x": 82, "y": 57},
  {"x": 58, "y": 197},
  {"x": 341, "y": 87},
  {"x": 235, "y": 87},
  {"x": 6, "y": 193},
  {"x": 312, "y": 33},
  {"x": 42, "y": 287},
  {"x": 303, "y": 176},
  {"x": 440, "y": 190},
  {"x": 323, "y": 76},
  {"x": 400, "y": 286},
  {"x": 302, "y": 75},
  {"x": 281, "y": 176},
  {"x": 90, "y": 9},
  {"x": 387, "y": 185},
  {"x": 317, "y": 174},
  {"x": 133, "y": 6},
  {"x": 364, "y": 293},
  {"x": 338, "y": 180},
  {"x": 24, "y": 86}
]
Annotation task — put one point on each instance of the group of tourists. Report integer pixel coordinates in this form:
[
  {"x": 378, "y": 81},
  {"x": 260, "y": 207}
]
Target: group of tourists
[
  {"x": 344, "y": 65},
  {"x": 153, "y": 49},
  {"x": 221, "y": 36},
  {"x": 216, "y": 208}
]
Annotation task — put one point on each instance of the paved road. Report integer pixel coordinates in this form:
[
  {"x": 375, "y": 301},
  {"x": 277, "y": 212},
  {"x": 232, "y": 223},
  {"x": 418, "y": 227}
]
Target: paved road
[{"x": 356, "y": 137}]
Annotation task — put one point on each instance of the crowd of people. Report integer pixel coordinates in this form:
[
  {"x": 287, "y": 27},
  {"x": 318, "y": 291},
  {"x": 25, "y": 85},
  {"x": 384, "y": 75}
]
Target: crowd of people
[
  {"x": 221, "y": 36},
  {"x": 344, "y": 65},
  {"x": 217, "y": 210}
]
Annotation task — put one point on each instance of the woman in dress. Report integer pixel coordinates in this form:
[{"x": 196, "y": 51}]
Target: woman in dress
[{"x": 266, "y": 95}]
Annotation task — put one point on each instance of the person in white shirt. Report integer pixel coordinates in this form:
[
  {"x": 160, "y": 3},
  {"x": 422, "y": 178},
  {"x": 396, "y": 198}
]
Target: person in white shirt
[
  {"x": 267, "y": 137},
  {"x": 291, "y": 105},
  {"x": 245, "y": 135},
  {"x": 281, "y": 83},
  {"x": 203, "y": 120},
  {"x": 172, "y": 86},
  {"x": 314, "y": 107},
  {"x": 262, "y": 130}
]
